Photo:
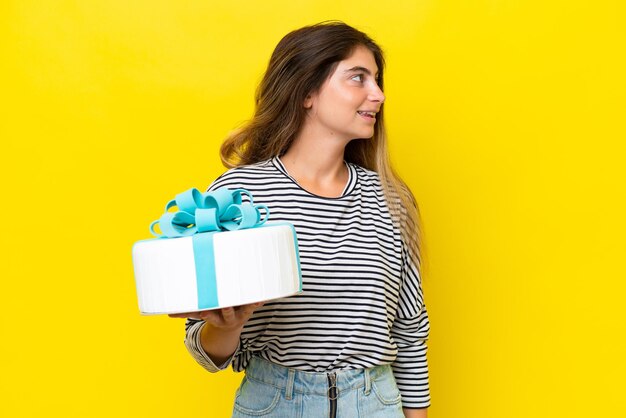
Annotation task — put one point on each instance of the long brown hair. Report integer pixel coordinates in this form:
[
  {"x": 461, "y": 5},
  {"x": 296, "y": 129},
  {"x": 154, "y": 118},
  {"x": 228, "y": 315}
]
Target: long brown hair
[{"x": 299, "y": 65}]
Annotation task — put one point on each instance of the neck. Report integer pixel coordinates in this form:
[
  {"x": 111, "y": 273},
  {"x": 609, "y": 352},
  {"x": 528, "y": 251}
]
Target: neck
[
  {"x": 317, "y": 163},
  {"x": 318, "y": 160}
]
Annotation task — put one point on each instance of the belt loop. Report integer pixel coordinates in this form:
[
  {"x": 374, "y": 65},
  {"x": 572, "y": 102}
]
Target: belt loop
[
  {"x": 290, "y": 379},
  {"x": 368, "y": 384}
]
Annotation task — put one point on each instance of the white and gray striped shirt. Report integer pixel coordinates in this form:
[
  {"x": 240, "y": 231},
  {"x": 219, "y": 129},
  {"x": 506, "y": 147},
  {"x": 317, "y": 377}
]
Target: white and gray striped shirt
[{"x": 362, "y": 303}]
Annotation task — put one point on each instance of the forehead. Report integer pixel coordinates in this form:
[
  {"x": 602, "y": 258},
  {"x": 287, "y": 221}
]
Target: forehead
[{"x": 360, "y": 57}]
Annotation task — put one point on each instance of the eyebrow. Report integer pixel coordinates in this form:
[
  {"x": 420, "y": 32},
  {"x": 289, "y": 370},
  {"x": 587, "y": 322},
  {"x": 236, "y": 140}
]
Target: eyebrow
[{"x": 359, "y": 68}]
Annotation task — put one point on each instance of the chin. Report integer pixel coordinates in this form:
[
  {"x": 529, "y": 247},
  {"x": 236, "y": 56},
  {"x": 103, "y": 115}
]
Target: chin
[{"x": 363, "y": 135}]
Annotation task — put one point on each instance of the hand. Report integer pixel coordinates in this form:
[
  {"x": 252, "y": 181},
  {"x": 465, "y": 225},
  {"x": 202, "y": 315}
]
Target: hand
[{"x": 226, "y": 319}]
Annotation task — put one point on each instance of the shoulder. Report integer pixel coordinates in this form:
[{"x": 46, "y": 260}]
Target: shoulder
[
  {"x": 368, "y": 179},
  {"x": 395, "y": 191},
  {"x": 371, "y": 180},
  {"x": 365, "y": 173},
  {"x": 245, "y": 175}
]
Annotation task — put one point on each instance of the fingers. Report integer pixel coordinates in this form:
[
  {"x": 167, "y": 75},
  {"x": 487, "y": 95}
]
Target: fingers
[
  {"x": 192, "y": 315},
  {"x": 212, "y": 317},
  {"x": 229, "y": 317},
  {"x": 236, "y": 316},
  {"x": 225, "y": 317},
  {"x": 249, "y": 309},
  {"x": 198, "y": 315}
]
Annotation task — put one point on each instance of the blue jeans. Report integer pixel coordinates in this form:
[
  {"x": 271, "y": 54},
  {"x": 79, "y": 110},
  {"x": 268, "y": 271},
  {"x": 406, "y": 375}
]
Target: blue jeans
[{"x": 270, "y": 390}]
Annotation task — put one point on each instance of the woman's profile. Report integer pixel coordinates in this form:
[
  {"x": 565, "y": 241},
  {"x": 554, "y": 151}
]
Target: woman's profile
[{"x": 353, "y": 343}]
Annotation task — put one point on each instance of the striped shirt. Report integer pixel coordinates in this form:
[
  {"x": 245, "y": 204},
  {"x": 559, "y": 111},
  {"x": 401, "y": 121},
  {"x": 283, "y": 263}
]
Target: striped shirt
[{"x": 362, "y": 303}]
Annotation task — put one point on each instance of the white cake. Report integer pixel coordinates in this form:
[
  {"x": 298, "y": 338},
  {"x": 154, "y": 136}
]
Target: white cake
[{"x": 247, "y": 266}]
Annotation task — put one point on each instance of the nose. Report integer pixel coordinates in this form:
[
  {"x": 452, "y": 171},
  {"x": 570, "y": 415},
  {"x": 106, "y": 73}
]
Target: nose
[{"x": 376, "y": 94}]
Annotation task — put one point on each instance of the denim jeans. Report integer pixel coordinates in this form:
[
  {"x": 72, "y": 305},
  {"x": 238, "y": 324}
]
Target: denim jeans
[{"x": 270, "y": 390}]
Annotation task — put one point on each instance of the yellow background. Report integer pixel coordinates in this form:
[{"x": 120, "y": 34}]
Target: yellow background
[{"x": 505, "y": 117}]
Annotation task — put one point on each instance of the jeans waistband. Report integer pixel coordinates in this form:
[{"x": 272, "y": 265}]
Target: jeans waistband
[{"x": 293, "y": 380}]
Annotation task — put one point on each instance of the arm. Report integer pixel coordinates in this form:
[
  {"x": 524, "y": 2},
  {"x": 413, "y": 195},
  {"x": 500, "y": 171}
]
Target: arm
[
  {"x": 214, "y": 338},
  {"x": 415, "y": 413},
  {"x": 220, "y": 335},
  {"x": 410, "y": 331},
  {"x": 411, "y": 366}
]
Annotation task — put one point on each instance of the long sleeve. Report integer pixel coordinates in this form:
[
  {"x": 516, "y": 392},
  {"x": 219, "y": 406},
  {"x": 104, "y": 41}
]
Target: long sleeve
[
  {"x": 410, "y": 332},
  {"x": 193, "y": 327}
]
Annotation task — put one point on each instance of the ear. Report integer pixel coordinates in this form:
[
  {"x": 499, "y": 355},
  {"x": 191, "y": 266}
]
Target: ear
[{"x": 308, "y": 102}]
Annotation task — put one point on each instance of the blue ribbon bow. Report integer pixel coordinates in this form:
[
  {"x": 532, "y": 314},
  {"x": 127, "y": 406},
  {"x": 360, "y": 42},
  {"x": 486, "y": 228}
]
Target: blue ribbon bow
[{"x": 219, "y": 210}]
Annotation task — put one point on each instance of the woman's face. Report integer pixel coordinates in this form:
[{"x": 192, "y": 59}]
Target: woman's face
[{"x": 345, "y": 107}]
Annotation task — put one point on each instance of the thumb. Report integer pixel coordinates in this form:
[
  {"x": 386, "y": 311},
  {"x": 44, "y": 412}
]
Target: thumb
[
  {"x": 228, "y": 314},
  {"x": 249, "y": 309}
]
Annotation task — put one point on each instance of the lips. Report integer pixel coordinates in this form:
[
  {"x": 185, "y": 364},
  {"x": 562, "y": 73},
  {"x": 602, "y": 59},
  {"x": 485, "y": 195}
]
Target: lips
[{"x": 367, "y": 114}]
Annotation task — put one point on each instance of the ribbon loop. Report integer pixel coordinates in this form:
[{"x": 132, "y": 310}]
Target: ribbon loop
[
  {"x": 220, "y": 199},
  {"x": 240, "y": 217},
  {"x": 261, "y": 221},
  {"x": 237, "y": 195},
  {"x": 189, "y": 201},
  {"x": 180, "y": 224},
  {"x": 218, "y": 210}
]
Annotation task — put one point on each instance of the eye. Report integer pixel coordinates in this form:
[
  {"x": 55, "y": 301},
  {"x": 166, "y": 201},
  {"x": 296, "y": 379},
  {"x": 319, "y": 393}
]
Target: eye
[{"x": 358, "y": 77}]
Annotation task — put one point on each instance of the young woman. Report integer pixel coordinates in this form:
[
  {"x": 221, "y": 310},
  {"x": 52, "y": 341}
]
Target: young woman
[{"x": 353, "y": 343}]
